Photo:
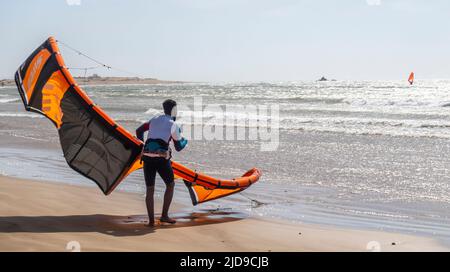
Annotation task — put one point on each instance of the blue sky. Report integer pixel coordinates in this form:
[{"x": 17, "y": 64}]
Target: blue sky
[{"x": 237, "y": 40}]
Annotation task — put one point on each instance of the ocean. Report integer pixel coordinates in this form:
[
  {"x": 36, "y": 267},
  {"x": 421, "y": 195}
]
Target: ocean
[{"x": 360, "y": 154}]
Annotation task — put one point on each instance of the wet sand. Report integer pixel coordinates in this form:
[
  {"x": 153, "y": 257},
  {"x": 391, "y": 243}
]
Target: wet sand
[{"x": 46, "y": 216}]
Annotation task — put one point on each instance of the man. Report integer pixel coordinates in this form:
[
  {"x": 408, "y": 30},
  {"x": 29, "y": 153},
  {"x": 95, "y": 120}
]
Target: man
[{"x": 156, "y": 156}]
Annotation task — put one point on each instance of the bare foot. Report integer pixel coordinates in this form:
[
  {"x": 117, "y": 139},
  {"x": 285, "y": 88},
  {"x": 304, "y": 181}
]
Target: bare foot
[
  {"x": 151, "y": 224},
  {"x": 167, "y": 220}
]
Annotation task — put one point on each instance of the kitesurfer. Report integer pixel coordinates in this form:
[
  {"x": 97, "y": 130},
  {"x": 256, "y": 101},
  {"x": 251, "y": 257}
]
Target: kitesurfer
[{"x": 156, "y": 156}]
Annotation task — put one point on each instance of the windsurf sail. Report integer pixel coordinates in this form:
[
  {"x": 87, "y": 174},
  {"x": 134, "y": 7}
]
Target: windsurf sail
[
  {"x": 411, "y": 78},
  {"x": 93, "y": 144}
]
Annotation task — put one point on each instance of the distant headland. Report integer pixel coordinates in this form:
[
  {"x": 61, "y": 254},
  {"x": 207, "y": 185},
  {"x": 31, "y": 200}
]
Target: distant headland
[{"x": 99, "y": 80}]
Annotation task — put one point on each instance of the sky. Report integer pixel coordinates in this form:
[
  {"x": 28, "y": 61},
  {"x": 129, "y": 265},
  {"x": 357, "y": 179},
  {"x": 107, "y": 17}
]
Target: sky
[{"x": 236, "y": 40}]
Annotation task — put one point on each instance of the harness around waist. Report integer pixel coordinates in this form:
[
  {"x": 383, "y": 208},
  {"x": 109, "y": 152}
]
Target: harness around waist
[{"x": 156, "y": 148}]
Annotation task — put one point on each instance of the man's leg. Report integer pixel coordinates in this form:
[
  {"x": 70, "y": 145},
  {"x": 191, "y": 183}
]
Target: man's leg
[
  {"x": 168, "y": 195},
  {"x": 150, "y": 205},
  {"x": 166, "y": 172},
  {"x": 150, "y": 174}
]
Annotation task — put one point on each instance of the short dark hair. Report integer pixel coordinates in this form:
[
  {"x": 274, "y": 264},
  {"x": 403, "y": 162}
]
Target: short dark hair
[{"x": 168, "y": 106}]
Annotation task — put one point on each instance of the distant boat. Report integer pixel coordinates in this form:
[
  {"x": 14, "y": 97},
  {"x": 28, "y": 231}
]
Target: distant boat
[
  {"x": 323, "y": 79},
  {"x": 411, "y": 78}
]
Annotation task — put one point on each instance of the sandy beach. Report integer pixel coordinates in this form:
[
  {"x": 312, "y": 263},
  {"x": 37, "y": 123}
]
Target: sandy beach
[{"x": 46, "y": 216}]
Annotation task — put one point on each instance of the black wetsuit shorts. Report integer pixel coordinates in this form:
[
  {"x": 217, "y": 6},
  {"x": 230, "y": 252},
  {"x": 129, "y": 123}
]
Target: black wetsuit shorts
[{"x": 152, "y": 165}]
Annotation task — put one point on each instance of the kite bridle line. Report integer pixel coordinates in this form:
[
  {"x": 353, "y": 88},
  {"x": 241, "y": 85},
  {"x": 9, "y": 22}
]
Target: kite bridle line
[
  {"x": 85, "y": 69},
  {"x": 252, "y": 200},
  {"x": 101, "y": 64}
]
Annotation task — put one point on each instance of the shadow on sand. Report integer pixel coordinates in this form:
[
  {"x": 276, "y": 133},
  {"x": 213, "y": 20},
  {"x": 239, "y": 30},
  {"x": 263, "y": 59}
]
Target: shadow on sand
[{"x": 133, "y": 225}]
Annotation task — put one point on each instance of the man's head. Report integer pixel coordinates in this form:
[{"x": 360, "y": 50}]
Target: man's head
[{"x": 170, "y": 108}]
